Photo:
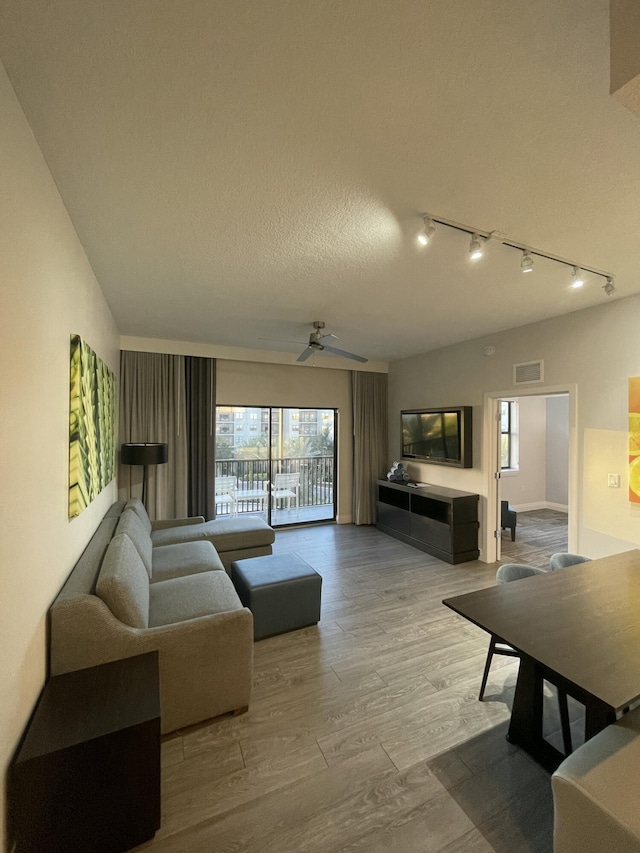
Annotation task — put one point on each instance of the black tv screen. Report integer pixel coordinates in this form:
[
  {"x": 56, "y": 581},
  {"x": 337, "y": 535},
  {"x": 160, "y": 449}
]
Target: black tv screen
[{"x": 441, "y": 436}]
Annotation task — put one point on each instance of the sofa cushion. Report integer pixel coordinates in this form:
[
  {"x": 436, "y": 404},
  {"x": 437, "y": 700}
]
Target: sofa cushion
[
  {"x": 225, "y": 534},
  {"x": 123, "y": 583},
  {"x": 131, "y": 524},
  {"x": 138, "y": 507},
  {"x": 180, "y": 599},
  {"x": 187, "y": 558}
]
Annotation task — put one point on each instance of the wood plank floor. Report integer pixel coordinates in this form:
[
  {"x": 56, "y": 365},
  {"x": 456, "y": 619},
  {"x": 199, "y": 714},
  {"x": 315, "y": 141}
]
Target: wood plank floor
[
  {"x": 364, "y": 733},
  {"x": 539, "y": 534}
]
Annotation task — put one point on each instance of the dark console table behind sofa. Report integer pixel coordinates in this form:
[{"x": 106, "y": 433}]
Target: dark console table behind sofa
[
  {"x": 441, "y": 521},
  {"x": 86, "y": 776}
]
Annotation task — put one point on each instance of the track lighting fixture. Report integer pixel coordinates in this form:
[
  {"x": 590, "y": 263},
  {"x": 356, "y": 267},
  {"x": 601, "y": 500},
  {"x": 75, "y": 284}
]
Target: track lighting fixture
[
  {"x": 476, "y": 249},
  {"x": 526, "y": 262},
  {"x": 479, "y": 238},
  {"x": 427, "y": 232},
  {"x": 576, "y": 279}
]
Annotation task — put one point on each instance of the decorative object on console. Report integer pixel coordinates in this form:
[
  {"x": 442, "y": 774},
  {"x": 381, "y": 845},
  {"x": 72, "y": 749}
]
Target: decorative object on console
[
  {"x": 144, "y": 453},
  {"x": 398, "y": 474},
  {"x": 92, "y": 431}
]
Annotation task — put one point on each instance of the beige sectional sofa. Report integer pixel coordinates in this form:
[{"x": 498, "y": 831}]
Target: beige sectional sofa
[{"x": 140, "y": 587}]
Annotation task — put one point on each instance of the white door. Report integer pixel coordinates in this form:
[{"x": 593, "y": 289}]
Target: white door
[{"x": 497, "y": 513}]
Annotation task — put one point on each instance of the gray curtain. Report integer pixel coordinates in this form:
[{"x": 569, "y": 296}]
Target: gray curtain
[
  {"x": 152, "y": 408},
  {"x": 200, "y": 388},
  {"x": 369, "y": 399}
]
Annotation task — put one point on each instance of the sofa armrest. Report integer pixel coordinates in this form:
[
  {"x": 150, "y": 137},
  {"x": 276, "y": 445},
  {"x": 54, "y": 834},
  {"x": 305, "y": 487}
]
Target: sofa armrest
[
  {"x": 206, "y": 664},
  {"x": 595, "y": 806},
  {"x": 164, "y": 523}
]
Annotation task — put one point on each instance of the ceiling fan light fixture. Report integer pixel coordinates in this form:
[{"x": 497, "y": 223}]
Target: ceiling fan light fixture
[
  {"x": 609, "y": 287},
  {"x": 526, "y": 263},
  {"x": 428, "y": 230},
  {"x": 476, "y": 247},
  {"x": 577, "y": 279}
]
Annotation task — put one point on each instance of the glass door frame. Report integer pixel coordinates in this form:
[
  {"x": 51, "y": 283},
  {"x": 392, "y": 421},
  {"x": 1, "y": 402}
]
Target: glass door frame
[{"x": 274, "y": 462}]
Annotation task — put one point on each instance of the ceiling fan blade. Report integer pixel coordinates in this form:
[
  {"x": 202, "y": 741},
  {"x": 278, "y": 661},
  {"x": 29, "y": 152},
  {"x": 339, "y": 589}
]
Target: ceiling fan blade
[
  {"x": 328, "y": 335},
  {"x": 345, "y": 354},
  {"x": 305, "y": 354},
  {"x": 280, "y": 341}
]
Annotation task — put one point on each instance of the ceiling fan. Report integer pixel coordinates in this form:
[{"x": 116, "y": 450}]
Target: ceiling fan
[{"x": 316, "y": 344}]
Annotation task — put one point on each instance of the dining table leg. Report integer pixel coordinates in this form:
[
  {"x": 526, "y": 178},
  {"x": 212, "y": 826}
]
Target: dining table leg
[
  {"x": 525, "y": 728},
  {"x": 597, "y": 717}
]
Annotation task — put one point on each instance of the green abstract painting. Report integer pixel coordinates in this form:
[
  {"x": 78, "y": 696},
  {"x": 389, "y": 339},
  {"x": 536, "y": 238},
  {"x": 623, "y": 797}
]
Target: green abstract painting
[{"x": 92, "y": 426}]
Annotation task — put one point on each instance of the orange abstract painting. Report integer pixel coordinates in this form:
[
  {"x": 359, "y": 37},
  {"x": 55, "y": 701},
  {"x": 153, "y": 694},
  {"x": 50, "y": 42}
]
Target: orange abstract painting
[{"x": 634, "y": 439}]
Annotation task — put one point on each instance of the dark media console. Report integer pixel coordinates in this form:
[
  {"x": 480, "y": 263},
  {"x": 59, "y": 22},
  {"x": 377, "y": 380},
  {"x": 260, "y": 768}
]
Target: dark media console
[{"x": 441, "y": 521}]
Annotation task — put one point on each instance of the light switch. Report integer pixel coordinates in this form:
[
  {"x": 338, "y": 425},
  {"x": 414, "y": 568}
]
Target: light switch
[{"x": 614, "y": 481}]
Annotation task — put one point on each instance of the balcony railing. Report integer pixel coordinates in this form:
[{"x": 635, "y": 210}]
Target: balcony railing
[{"x": 252, "y": 477}]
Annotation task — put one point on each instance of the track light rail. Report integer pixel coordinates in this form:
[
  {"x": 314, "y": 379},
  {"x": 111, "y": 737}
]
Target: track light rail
[{"x": 498, "y": 237}]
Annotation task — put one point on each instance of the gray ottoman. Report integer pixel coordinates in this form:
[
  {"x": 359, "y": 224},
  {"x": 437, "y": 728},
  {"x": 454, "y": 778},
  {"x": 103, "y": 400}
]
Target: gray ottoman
[{"x": 281, "y": 590}]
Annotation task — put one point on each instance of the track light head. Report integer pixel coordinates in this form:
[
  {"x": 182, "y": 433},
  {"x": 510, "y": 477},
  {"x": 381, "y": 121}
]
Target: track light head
[
  {"x": 429, "y": 229},
  {"x": 576, "y": 279},
  {"x": 526, "y": 263},
  {"x": 609, "y": 287},
  {"x": 476, "y": 248}
]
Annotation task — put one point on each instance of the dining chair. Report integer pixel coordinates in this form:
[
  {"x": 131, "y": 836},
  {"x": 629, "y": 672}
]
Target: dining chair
[
  {"x": 505, "y": 574},
  {"x": 285, "y": 487},
  {"x": 562, "y": 560},
  {"x": 225, "y": 488}
]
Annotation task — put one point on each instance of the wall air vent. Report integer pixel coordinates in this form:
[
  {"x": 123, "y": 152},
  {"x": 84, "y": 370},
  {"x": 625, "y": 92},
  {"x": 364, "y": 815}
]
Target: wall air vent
[{"x": 528, "y": 372}]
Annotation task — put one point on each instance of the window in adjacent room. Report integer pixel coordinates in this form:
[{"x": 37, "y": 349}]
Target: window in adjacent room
[{"x": 509, "y": 435}]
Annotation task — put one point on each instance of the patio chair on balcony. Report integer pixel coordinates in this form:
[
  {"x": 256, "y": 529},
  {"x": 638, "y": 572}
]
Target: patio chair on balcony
[
  {"x": 285, "y": 487},
  {"x": 226, "y": 495}
]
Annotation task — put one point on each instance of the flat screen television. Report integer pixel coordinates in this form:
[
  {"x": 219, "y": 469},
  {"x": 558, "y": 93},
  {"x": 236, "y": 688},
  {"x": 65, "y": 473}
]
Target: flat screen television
[{"x": 439, "y": 436}]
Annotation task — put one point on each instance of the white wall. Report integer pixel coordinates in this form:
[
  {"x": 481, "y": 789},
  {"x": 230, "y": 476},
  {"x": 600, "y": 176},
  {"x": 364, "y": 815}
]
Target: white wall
[
  {"x": 557, "y": 459},
  {"x": 594, "y": 349},
  {"x": 527, "y": 486},
  {"x": 542, "y": 478},
  {"x": 47, "y": 292}
]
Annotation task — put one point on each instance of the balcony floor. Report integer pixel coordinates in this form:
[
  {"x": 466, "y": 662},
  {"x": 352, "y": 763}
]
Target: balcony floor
[{"x": 283, "y": 517}]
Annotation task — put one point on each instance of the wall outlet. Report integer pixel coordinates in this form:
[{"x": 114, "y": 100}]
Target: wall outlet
[{"x": 614, "y": 481}]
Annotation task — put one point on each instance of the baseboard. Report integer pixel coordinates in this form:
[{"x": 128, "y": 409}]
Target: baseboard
[
  {"x": 558, "y": 507},
  {"x": 531, "y": 507}
]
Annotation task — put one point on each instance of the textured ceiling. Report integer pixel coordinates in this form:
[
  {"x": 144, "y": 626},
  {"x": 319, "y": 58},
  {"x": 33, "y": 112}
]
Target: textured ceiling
[{"x": 238, "y": 169}]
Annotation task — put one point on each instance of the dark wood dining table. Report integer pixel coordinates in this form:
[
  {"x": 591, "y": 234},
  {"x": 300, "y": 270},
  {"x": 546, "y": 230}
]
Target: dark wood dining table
[{"x": 578, "y": 628}]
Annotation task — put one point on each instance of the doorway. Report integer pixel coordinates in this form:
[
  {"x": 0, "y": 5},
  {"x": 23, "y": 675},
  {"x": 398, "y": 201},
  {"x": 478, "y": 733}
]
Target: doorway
[
  {"x": 275, "y": 462},
  {"x": 530, "y": 445}
]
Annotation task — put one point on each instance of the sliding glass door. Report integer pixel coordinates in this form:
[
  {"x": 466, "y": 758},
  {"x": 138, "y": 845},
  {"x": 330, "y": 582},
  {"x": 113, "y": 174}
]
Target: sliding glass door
[{"x": 279, "y": 463}]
